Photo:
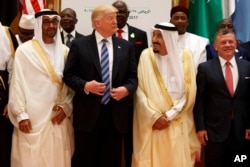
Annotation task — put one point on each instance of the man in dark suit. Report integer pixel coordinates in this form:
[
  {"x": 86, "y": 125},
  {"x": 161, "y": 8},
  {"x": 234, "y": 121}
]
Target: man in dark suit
[
  {"x": 132, "y": 34},
  {"x": 222, "y": 106},
  {"x": 100, "y": 122},
  {"x": 68, "y": 22},
  {"x": 246, "y": 46},
  {"x": 139, "y": 39}
]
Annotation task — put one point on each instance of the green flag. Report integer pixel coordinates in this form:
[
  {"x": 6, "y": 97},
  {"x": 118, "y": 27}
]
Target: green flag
[{"x": 204, "y": 17}]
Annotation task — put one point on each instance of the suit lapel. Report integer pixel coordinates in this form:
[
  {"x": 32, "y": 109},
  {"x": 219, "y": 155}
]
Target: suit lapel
[
  {"x": 62, "y": 37},
  {"x": 131, "y": 35},
  {"x": 93, "y": 50},
  {"x": 77, "y": 35},
  {"x": 219, "y": 76}
]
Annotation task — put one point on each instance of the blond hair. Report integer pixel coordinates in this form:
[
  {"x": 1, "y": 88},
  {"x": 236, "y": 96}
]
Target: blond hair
[{"x": 99, "y": 11}]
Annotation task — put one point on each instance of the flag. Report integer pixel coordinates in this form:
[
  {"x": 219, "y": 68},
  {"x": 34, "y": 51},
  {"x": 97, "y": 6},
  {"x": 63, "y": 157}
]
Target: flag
[
  {"x": 32, "y": 6},
  {"x": 241, "y": 20},
  {"x": 204, "y": 16},
  {"x": 8, "y": 11}
]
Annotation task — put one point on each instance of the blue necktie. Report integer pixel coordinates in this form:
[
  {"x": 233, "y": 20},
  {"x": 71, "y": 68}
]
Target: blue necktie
[{"x": 105, "y": 71}]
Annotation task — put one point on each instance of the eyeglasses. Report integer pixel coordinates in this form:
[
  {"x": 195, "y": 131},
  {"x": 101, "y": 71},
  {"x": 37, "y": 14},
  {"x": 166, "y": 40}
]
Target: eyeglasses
[{"x": 47, "y": 22}]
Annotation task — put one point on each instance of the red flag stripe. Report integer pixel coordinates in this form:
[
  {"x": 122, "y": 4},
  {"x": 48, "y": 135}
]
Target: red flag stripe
[{"x": 32, "y": 6}]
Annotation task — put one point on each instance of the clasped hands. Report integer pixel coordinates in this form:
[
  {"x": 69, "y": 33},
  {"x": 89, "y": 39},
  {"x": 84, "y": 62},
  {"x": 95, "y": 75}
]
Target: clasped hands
[
  {"x": 99, "y": 87},
  {"x": 26, "y": 126},
  {"x": 161, "y": 123}
]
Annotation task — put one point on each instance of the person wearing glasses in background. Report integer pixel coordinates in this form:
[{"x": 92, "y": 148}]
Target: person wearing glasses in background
[
  {"x": 39, "y": 102},
  {"x": 25, "y": 28}
]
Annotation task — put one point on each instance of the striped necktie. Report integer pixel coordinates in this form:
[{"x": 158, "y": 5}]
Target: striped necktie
[
  {"x": 68, "y": 43},
  {"x": 105, "y": 71}
]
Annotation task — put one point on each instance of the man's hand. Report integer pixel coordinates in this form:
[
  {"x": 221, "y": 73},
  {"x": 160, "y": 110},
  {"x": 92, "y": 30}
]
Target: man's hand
[
  {"x": 95, "y": 87},
  {"x": 25, "y": 126},
  {"x": 5, "y": 111},
  {"x": 60, "y": 115},
  {"x": 203, "y": 137},
  {"x": 119, "y": 93},
  {"x": 161, "y": 123},
  {"x": 247, "y": 134}
]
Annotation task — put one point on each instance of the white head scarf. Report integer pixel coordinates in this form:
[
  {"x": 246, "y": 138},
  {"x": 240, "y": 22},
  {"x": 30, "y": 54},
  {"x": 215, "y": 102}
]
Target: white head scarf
[
  {"x": 174, "y": 61},
  {"x": 54, "y": 51},
  {"x": 4, "y": 47}
]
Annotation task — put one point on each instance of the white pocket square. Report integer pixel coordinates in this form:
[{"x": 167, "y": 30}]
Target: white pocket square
[{"x": 247, "y": 77}]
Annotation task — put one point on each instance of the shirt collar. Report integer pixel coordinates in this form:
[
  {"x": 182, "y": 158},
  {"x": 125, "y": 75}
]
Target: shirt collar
[
  {"x": 99, "y": 38},
  {"x": 223, "y": 61},
  {"x": 73, "y": 33},
  {"x": 125, "y": 28}
]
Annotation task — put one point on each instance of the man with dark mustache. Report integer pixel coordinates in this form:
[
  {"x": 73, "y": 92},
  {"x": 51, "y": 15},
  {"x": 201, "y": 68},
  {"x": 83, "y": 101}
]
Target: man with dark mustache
[{"x": 196, "y": 44}]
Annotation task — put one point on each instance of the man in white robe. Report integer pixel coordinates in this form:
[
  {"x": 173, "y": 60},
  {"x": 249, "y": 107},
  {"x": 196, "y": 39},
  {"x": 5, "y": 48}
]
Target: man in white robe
[
  {"x": 196, "y": 44},
  {"x": 163, "y": 132},
  {"x": 39, "y": 102}
]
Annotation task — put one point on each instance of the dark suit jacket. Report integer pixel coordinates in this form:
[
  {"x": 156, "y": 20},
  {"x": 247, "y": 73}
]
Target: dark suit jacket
[
  {"x": 212, "y": 53},
  {"x": 214, "y": 105},
  {"x": 77, "y": 35},
  {"x": 139, "y": 39},
  {"x": 246, "y": 46},
  {"x": 83, "y": 65}
]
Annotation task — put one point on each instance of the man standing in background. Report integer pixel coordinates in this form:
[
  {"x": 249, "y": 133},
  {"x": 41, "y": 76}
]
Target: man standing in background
[
  {"x": 132, "y": 34},
  {"x": 196, "y": 44},
  {"x": 68, "y": 22},
  {"x": 25, "y": 28},
  {"x": 139, "y": 39}
]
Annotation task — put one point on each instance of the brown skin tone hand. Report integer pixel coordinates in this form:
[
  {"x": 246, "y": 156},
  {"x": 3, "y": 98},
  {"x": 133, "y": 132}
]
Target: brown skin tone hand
[
  {"x": 5, "y": 111},
  {"x": 25, "y": 126},
  {"x": 202, "y": 136},
  {"x": 60, "y": 115},
  {"x": 161, "y": 123},
  {"x": 119, "y": 93}
]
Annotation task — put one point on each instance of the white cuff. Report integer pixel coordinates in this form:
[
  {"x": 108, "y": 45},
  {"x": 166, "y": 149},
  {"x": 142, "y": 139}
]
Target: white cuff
[
  {"x": 22, "y": 116},
  {"x": 171, "y": 114}
]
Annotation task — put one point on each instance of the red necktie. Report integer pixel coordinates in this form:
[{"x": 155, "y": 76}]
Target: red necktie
[
  {"x": 119, "y": 33},
  {"x": 229, "y": 78}
]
